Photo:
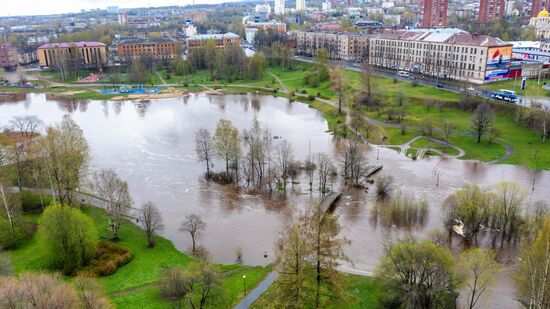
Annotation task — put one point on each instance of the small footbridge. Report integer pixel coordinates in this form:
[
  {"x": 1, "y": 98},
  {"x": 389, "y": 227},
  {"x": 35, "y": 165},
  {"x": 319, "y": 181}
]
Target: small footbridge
[{"x": 328, "y": 203}]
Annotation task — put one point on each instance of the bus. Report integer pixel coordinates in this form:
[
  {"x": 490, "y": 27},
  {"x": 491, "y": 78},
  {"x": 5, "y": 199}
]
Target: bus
[{"x": 506, "y": 96}]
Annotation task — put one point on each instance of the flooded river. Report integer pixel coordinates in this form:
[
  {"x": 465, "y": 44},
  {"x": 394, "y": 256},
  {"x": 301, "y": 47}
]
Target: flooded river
[{"x": 150, "y": 144}]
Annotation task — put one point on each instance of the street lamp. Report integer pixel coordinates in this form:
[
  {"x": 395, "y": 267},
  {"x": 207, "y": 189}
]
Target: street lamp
[{"x": 244, "y": 284}]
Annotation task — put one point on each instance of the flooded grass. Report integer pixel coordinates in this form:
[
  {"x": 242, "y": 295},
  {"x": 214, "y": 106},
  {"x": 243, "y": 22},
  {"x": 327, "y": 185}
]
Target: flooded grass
[{"x": 404, "y": 210}]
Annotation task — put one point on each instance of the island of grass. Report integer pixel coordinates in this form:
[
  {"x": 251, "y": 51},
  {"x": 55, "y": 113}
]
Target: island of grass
[{"x": 135, "y": 285}]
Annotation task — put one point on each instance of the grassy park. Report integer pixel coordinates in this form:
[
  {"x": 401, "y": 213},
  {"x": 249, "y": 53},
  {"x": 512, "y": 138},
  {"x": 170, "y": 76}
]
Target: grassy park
[{"x": 134, "y": 285}]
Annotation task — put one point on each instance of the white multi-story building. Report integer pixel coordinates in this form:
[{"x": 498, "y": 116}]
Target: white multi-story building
[
  {"x": 279, "y": 7},
  {"x": 300, "y": 5},
  {"x": 445, "y": 53},
  {"x": 340, "y": 45}
]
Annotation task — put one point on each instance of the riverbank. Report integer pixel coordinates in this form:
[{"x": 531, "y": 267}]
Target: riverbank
[{"x": 134, "y": 285}]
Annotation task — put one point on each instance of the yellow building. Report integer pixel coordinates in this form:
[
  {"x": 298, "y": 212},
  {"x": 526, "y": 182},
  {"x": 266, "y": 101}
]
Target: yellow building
[
  {"x": 89, "y": 54},
  {"x": 541, "y": 23}
]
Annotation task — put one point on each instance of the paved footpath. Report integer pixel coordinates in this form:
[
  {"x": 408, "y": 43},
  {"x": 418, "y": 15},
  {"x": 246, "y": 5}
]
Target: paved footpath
[{"x": 257, "y": 292}]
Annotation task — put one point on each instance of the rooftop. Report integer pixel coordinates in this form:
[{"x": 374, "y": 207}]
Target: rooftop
[
  {"x": 227, "y": 35},
  {"x": 72, "y": 44},
  {"x": 442, "y": 35}
]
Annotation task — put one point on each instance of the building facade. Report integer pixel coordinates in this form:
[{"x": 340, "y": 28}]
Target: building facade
[
  {"x": 8, "y": 56},
  {"x": 340, "y": 45},
  {"x": 91, "y": 54},
  {"x": 541, "y": 23},
  {"x": 490, "y": 10},
  {"x": 221, "y": 40},
  {"x": 539, "y": 5},
  {"x": 279, "y": 8},
  {"x": 300, "y": 5},
  {"x": 158, "y": 50},
  {"x": 443, "y": 53},
  {"x": 27, "y": 55},
  {"x": 434, "y": 13}
]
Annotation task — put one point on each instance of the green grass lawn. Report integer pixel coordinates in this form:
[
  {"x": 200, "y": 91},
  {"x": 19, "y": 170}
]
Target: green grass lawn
[
  {"x": 144, "y": 270},
  {"x": 360, "y": 292},
  {"x": 533, "y": 87}
]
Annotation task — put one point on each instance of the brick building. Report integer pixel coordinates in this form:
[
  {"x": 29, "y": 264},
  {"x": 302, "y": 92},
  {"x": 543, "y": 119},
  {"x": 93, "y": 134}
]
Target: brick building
[
  {"x": 434, "y": 13},
  {"x": 157, "y": 49},
  {"x": 91, "y": 54},
  {"x": 8, "y": 56},
  {"x": 221, "y": 40}
]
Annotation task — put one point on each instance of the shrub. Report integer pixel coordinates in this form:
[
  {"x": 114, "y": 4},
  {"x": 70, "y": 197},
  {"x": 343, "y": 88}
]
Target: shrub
[
  {"x": 34, "y": 202},
  {"x": 221, "y": 177},
  {"x": 304, "y": 91},
  {"x": 384, "y": 185},
  {"x": 68, "y": 236},
  {"x": 405, "y": 210},
  {"x": 311, "y": 97},
  {"x": 9, "y": 239},
  {"x": 108, "y": 258}
]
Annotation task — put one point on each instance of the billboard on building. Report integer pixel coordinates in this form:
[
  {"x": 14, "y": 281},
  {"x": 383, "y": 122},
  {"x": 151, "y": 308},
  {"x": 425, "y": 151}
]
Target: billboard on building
[{"x": 498, "y": 63}]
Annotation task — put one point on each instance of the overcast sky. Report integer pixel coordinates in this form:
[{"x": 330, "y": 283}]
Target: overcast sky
[{"x": 41, "y": 7}]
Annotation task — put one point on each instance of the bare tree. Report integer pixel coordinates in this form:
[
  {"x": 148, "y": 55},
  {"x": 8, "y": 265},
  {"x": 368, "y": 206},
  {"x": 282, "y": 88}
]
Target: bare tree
[
  {"x": 226, "y": 143},
  {"x": 353, "y": 159},
  {"x": 174, "y": 286},
  {"x": 324, "y": 168},
  {"x": 194, "y": 225},
  {"x": 284, "y": 155},
  {"x": 152, "y": 222},
  {"x": 203, "y": 147},
  {"x": 338, "y": 82},
  {"x": 427, "y": 125},
  {"x": 26, "y": 125},
  {"x": 482, "y": 120},
  {"x": 90, "y": 294},
  {"x": 448, "y": 128},
  {"x": 110, "y": 187},
  {"x": 66, "y": 155},
  {"x": 9, "y": 205}
]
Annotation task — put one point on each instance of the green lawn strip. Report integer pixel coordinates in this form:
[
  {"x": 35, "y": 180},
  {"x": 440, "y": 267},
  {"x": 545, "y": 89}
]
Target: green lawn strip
[
  {"x": 532, "y": 89},
  {"x": 145, "y": 268},
  {"x": 358, "y": 292}
]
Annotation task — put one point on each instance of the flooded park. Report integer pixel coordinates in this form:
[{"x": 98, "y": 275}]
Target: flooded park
[{"x": 150, "y": 144}]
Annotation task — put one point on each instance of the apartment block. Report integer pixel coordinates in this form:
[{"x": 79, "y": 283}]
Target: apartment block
[
  {"x": 444, "y": 53},
  {"x": 347, "y": 46},
  {"x": 156, "y": 49},
  {"x": 221, "y": 40},
  {"x": 90, "y": 54},
  {"x": 8, "y": 56},
  {"x": 434, "y": 13},
  {"x": 490, "y": 10}
]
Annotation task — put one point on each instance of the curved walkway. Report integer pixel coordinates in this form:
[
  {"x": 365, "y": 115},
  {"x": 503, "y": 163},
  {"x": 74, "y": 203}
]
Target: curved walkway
[
  {"x": 257, "y": 292},
  {"x": 403, "y": 148}
]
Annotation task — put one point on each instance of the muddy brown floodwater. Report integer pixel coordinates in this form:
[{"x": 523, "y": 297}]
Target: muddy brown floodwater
[{"x": 150, "y": 144}]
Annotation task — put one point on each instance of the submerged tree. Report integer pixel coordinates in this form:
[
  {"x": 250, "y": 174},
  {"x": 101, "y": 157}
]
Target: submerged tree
[
  {"x": 203, "y": 147},
  {"x": 324, "y": 168},
  {"x": 226, "y": 143},
  {"x": 354, "y": 159},
  {"x": 193, "y": 225}
]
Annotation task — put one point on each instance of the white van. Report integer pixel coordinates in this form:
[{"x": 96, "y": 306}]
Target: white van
[{"x": 403, "y": 74}]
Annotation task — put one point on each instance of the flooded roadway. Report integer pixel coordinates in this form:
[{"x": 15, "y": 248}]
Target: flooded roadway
[{"x": 150, "y": 144}]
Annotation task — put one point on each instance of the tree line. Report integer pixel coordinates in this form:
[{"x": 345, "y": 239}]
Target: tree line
[{"x": 256, "y": 159}]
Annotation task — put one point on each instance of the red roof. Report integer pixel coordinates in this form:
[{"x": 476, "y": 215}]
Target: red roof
[{"x": 72, "y": 44}]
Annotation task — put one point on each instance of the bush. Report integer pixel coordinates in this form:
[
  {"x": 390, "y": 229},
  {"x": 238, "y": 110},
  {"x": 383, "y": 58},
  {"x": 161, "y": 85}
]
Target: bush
[
  {"x": 68, "y": 236},
  {"x": 9, "y": 239},
  {"x": 406, "y": 210},
  {"x": 33, "y": 202},
  {"x": 384, "y": 185},
  {"x": 304, "y": 91},
  {"x": 311, "y": 97},
  {"x": 108, "y": 258},
  {"x": 221, "y": 177}
]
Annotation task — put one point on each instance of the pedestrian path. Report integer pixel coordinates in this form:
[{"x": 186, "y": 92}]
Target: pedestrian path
[{"x": 258, "y": 291}]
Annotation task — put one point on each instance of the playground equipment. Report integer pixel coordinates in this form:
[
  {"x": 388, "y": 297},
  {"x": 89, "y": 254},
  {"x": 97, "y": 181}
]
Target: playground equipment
[{"x": 139, "y": 89}]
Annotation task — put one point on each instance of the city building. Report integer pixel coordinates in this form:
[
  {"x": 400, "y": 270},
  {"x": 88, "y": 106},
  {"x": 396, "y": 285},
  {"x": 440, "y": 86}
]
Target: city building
[
  {"x": 122, "y": 18},
  {"x": 91, "y": 54},
  {"x": 8, "y": 56},
  {"x": 545, "y": 46},
  {"x": 326, "y": 6},
  {"x": 490, "y": 10},
  {"x": 221, "y": 40},
  {"x": 349, "y": 46},
  {"x": 267, "y": 25},
  {"x": 541, "y": 23},
  {"x": 27, "y": 55},
  {"x": 300, "y": 5},
  {"x": 279, "y": 7},
  {"x": 263, "y": 10},
  {"x": 445, "y": 53},
  {"x": 539, "y": 5},
  {"x": 434, "y": 13},
  {"x": 156, "y": 49}
]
